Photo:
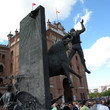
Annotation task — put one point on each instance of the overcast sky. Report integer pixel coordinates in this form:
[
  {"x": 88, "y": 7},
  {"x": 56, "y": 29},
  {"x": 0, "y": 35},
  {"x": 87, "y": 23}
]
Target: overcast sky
[{"x": 95, "y": 40}]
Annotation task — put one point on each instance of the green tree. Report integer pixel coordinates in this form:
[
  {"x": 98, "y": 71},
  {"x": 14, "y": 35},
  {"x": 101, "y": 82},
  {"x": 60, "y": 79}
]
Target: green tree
[
  {"x": 102, "y": 94},
  {"x": 93, "y": 95}
]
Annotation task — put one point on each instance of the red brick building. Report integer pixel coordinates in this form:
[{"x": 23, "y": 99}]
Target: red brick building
[{"x": 9, "y": 62}]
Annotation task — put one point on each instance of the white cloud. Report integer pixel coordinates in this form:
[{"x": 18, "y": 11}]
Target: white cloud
[
  {"x": 10, "y": 17},
  {"x": 102, "y": 77},
  {"x": 76, "y": 18},
  {"x": 108, "y": 65},
  {"x": 99, "y": 54},
  {"x": 13, "y": 11},
  {"x": 86, "y": 18},
  {"x": 1, "y": 41},
  {"x": 63, "y": 6},
  {"x": 82, "y": 1}
]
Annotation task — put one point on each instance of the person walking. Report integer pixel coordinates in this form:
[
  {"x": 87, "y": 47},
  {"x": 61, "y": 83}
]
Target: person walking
[{"x": 85, "y": 107}]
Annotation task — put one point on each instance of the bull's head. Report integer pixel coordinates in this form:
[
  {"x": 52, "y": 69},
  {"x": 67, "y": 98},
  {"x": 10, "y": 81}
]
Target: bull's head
[{"x": 66, "y": 41}]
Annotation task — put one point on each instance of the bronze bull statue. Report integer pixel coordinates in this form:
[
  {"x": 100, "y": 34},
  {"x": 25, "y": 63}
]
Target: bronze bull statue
[{"x": 59, "y": 62}]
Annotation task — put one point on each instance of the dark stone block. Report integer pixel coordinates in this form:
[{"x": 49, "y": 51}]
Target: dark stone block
[{"x": 33, "y": 76}]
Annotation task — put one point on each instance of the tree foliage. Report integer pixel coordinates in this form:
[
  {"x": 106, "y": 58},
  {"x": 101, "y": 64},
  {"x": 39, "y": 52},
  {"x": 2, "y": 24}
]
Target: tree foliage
[{"x": 102, "y": 94}]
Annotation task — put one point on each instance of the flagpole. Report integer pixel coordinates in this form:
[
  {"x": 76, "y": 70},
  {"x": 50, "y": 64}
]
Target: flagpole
[
  {"x": 57, "y": 15},
  {"x": 33, "y": 4},
  {"x": 32, "y": 8}
]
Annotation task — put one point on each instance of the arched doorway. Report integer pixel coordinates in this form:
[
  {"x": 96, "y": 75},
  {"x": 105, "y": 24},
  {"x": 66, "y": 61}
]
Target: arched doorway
[{"x": 67, "y": 91}]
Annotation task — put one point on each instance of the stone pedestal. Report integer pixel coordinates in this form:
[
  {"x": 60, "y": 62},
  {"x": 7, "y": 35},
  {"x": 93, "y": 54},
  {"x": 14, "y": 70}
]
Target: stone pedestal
[{"x": 33, "y": 76}]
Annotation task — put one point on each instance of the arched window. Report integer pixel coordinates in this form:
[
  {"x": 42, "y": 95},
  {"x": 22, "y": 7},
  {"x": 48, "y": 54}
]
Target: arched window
[
  {"x": 12, "y": 54},
  {"x": 51, "y": 95},
  {"x": 1, "y": 68},
  {"x": 0, "y": 55},
  {"x": 3, "y": 56},
  {"x": 1, "y": 80},
  {"x": 76, "y": 58},
  {"x": 11, "y": 68},
  {"x": 78, "y": 69}
]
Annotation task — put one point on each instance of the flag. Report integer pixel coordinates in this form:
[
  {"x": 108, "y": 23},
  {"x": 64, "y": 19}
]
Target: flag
[
  {"x": 57, "y": 14},
  {"x": 33, "y": 4},
  {"x": 57, "y": 11}
]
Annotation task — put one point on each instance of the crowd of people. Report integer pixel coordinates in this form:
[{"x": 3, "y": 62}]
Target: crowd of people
[{"x": 93, "y": 104}]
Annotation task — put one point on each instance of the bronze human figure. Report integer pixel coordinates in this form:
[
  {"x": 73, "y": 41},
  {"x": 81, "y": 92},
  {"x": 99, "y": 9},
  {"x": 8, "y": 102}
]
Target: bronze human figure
[
  {"x": 8, "y": 98},
  {"x": 76, "y": 44},
  {"x": 25, "y": 101}
]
